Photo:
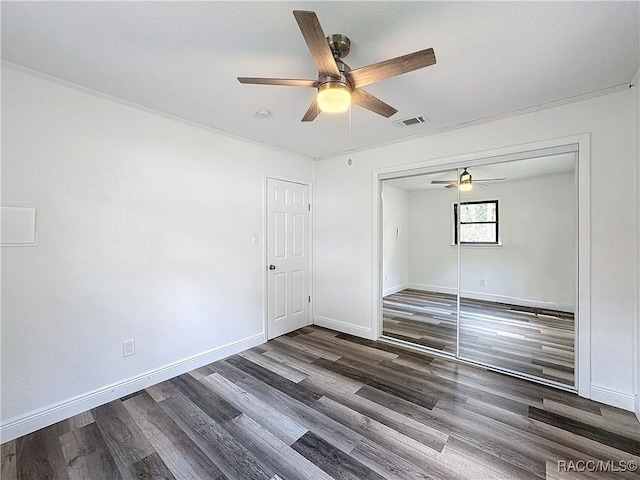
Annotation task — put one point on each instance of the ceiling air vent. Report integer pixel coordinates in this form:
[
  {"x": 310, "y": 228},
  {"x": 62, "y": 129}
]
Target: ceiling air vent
[{"x": 406, "y": 122}]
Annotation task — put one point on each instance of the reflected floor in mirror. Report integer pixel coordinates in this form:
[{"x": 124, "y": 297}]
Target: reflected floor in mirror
[{"x": 537, "y": 342}]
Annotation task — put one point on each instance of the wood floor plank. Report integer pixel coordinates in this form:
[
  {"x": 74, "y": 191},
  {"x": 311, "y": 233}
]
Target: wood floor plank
[
  {"x": 279, "y": 368},
  {"x": 266, "y": 376},
  {"x": 448, "y": 389},
  {"x": 614, "y": 440},
  {"x": 87, "y": 455},
  {"x": 285, "y": 461},
  {"x": 541, "y": 441},
  {"x": 332, "y": 431},
  {"x": 394, "y": 441},
  {"x": 424, "y": 399},
  {"x": 402, "y": 424},
  {"x": 308, "y": 348},
  {"x": 488, "y": 435},
  {"x": 399, "y": 405},
  {"x": 268, "y": 416},
  {"x": 122, "y": 435},
  {"x": 318, "y": 373},
  {"x": 622, "y": 428},
  {"x": 162, "y": 391},
  {"x": 336, "y": 346},
  {"x": 150, "y": 467},
  {"x": 292, "y": 352},
  {"x": 617, "y": 417},
  {"x": 229, "y": 455},
  {"x": 552, "y": 442},
  {"x": 483, "y": 465},
  {"x": 231, "y": 373},
  {"x": 39, "y": 454},
  {"x": 401, "y": 352},
  {"x": 332, "y": 460},
  {"x": 8, "y": 470},
  {"x": 395, "y": 467},
  {"x": 181, "y": 455},
  {"x": 80, "y": 420},
  {"x": 208, "y": 401}
]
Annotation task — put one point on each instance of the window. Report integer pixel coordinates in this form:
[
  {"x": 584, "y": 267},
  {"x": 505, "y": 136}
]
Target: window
[{"x": 478, "y": 222}]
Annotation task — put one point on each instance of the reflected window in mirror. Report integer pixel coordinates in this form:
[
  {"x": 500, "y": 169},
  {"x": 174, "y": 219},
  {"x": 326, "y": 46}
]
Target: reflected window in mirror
[{"x": 478, "y": 223}]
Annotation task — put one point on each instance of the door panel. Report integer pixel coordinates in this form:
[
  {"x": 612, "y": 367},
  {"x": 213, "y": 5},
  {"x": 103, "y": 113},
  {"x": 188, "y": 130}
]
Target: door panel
[
  {"x": 279, "y": 235},
  {"x": 279, "y": 295},
  {"x": 299, "y": 222},
  {"x": 288, "y": 261},
  {"x": 298, "y": 294}
]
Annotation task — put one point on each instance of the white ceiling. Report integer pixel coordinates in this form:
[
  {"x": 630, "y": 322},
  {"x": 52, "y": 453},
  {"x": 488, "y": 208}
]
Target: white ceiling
[{"x": 182, "y": 58}]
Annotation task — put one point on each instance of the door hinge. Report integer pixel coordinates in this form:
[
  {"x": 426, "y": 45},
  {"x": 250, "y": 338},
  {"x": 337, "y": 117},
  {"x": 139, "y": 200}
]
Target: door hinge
[
  {"x": 309, "y": 298},
  {"x": 309, "y": 207}
]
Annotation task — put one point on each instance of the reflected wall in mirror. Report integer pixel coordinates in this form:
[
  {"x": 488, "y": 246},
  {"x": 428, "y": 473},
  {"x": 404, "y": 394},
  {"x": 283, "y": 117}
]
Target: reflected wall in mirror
[
  {"x": 514, "y": 270},
  {"x": 413, "y": 226}
]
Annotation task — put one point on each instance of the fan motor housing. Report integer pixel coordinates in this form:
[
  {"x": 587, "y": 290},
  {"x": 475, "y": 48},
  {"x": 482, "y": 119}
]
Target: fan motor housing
[{"x": 340, "y": 45}]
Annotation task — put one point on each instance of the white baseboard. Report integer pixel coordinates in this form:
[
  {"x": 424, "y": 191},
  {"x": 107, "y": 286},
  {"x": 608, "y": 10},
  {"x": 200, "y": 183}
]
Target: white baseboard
[
  {"x": 43, "y": 417},
  {"x": 340, "y": 326},
  {"x": 432, "y": 288},
  {"x": 611, "y": 397},
  {"x": 491, "y": 297},
  {"x": 392, "y": 290}
]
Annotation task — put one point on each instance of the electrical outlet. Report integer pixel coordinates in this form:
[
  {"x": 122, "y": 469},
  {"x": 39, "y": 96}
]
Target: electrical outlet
[
  {"x": 482, "y": 282},
  {"x": 128, "y": 348}
]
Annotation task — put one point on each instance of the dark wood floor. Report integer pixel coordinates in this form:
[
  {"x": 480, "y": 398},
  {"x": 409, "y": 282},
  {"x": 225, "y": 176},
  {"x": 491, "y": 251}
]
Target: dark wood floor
[
  {"x": 317, "y": 404},
  {"x": 533, "y": 341}
]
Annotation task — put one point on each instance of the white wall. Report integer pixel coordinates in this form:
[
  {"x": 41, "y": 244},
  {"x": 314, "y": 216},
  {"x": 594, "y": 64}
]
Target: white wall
[
  {"x": 433, "y": 262},
  {"x": 395, "y": 240},
  {"x": 145, "y": 226},
  {"x": 534, "y": 266},
  {"x": 344, "y": 230}
]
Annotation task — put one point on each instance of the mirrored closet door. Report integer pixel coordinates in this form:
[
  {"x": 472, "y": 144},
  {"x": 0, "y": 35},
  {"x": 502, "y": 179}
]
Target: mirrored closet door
[
  {"x": 479, "y": 263},
  {"x": 420, "y": 272}
]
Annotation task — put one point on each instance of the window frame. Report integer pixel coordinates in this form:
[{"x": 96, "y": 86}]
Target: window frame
[{"x": 497, "y": 241}]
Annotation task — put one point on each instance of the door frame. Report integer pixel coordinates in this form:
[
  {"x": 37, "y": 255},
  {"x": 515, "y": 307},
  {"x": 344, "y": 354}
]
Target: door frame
[
  {"x": 583, "y": 290},
  {"x": 265, "y": 251}
]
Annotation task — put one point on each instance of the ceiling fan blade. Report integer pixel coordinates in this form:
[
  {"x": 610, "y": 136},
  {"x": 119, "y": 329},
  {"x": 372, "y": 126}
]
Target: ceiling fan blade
[
  {"x": 317, "y": 43},
  {"x": 287, "y": 82},
  {"x": 443, "y": 182},
  {"x": 312, "y": 112},
  {"x": 368, "y": 101},
  {"x": 390, "y": 68},
  {"x": 451, "y": 185},
  {"x": 488, "y": 179}
]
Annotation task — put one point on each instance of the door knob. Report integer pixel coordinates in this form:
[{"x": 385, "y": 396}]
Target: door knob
[{"x": 272, "y": 267}]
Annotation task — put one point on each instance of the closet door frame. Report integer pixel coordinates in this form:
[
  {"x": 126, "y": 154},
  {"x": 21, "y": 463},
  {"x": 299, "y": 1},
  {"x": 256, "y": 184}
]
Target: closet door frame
[{"x": 580, "y": 144}]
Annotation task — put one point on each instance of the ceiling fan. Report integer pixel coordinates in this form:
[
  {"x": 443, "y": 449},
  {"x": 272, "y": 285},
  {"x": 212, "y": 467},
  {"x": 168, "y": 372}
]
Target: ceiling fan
[
  {"x": 337, "y": 84},
  {"x": 464, "y": 184}
]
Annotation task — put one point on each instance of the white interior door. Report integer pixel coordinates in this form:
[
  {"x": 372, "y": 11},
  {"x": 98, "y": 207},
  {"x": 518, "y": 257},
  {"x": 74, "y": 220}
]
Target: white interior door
[{"x": 288, "y": 260}]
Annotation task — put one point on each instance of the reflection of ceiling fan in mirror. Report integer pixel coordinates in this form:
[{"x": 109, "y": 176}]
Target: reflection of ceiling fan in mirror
[
  {"x": 337, "y": 84},
  {"x": 465, "y": 181}
]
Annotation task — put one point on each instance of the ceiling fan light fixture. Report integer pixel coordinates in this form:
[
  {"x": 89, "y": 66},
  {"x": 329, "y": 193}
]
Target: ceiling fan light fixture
[
  {"x": 334, "y": 97},
  {"x": 465, "y": 184}
]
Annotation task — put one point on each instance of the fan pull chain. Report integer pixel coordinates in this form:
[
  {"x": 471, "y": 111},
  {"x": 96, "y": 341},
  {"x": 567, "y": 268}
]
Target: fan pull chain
[
  {"x": 350, "y": 142},
  {"x": 317, "y": 131}
]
